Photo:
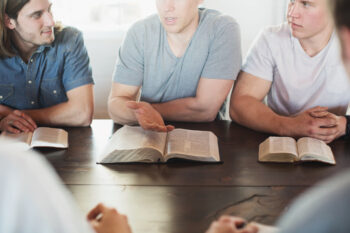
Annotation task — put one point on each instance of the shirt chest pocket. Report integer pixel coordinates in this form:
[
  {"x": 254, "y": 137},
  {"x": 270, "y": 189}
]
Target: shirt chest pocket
[
  {"x": 6, "y": 92},
  {"x": 52, "y": 92}
]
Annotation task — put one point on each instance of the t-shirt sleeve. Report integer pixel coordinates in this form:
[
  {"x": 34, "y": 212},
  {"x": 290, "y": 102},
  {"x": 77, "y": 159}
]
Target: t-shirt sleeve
[
  {"x": 259, "y": 61},
  {"x": 129, "y": 69},
  {"x": 77, "y": 70},
  {"x": 225, "y": 58}
]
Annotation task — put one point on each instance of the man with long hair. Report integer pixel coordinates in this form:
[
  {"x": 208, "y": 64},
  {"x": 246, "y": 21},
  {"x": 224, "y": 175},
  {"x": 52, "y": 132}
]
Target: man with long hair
[{"x": 45, "y": 73}]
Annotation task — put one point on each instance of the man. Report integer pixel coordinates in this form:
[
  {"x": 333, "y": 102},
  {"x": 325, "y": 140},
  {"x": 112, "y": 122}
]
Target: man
[
  {"x": 325, "y": 209},
  {"x": 33, "y": 200},
  {"x": 45, "y": 75},
  {"x": 298, "y": 67},
  {"x": 183, "y": 61}
]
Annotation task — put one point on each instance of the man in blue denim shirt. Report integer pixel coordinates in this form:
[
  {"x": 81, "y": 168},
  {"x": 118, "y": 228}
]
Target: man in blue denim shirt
[{"x": 45, "y": 76}]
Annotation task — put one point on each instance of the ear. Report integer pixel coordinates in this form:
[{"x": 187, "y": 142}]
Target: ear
[{"x": 9, "y": 23}]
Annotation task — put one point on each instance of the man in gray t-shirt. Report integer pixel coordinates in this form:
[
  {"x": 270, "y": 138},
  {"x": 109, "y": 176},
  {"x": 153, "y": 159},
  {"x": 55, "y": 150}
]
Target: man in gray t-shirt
[{"x": 183, "y": 62}]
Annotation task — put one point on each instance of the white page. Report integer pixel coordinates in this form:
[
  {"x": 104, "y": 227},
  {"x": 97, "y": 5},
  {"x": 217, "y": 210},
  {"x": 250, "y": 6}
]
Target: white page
[
  {"x": 311, "y": 148},
  {"x": 132, "y": 138},
  {"x": 193, "y": 142},
  {"x": 50, "y": 137}
]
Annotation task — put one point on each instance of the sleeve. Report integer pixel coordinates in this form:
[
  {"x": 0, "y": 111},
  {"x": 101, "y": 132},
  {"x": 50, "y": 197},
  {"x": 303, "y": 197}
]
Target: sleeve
[
  {"x": 225, "y": 58},
  {"x": 259, "y": 61},
  {"x": 77, "y": 71},
  {"x": 129, "y": 67}
]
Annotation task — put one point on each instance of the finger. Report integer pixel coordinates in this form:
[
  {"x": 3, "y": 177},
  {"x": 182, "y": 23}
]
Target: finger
[
  {"x": 133, "y": 105},
  {"x": 326, "y": 122},
  {"x": 28, "y": 126},
  {"x": 319, "y": 114},
  {"x": 99, "y": 209},
  {"x": 249, "y": 229},
  {"x": 32, "y": 123},
  {"x": 19, "y": 124},
  {"x": 11, "y": 129},
  {"x": 318, "y": 109},
  {"x": 170, "y": 128}
]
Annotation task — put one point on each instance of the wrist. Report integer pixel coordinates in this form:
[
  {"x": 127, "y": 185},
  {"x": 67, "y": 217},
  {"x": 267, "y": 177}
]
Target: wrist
[{"x": 283, "y": 125}]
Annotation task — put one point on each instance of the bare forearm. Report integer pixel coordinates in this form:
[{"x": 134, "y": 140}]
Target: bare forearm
[
  {"x": 186, "y": 109},
  {"x": 4, "y": 111},
  {"x": 65, "y": 114},
  {"x": 256, "y": 115},
  {"x": 120, "y": 113}
]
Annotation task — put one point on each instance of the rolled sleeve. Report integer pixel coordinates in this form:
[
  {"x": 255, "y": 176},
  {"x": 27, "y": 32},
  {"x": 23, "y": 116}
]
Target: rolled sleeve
[{"x": 77, "y": 70}]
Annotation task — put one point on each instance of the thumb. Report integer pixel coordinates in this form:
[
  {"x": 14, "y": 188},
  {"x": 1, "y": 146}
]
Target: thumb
[{"x": 170, "y": 128}]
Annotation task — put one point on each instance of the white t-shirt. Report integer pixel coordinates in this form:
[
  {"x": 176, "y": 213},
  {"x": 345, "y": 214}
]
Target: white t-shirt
[
  {"x": 299, "y": 82},
  {"x": 32, "y": 199}
]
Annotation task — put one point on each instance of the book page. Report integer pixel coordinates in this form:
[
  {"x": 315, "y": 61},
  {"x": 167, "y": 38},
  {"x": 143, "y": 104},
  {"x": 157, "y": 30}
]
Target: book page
[
  {"x": 49, "y": 137},
  {"x": 278, "y": 149},
  {"x": 311, "y": 149},
  {"x": 129, "y": 138},
  {"x": 194, "y": 144},
  {"x": 21, "y": 139}
]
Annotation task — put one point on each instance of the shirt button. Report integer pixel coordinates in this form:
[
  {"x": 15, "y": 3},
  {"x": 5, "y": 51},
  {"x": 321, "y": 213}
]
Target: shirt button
[
  {"x": 30, "y": 81},
  {"x": 54, "y": 91},
  {"x": 31, "y": 60},
  {"x": 32, "y": 102},
  {"x": 1, "y": 97}
]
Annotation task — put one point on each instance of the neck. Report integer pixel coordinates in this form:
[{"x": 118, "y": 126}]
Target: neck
[
  {"x": 315, "y": 44},
  {"x": 25, "y": 49},
  {"x": 180, "y": 40}
]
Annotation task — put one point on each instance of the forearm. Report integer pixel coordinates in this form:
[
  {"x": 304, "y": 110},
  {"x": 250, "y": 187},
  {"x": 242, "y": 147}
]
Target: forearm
[
  {"x": 4, "y": 111},
  {"x": 187, "y": 109},
  {"x": 120, "y": 113},
  {"x": 258, "y": 116},
  {"x": 65, "y": 114}
]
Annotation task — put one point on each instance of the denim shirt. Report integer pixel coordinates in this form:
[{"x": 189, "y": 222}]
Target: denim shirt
[{"x": 51, "y": 72}]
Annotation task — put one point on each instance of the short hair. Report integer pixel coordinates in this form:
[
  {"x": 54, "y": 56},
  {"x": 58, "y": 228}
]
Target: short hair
[{"x": 341, "y": 12}]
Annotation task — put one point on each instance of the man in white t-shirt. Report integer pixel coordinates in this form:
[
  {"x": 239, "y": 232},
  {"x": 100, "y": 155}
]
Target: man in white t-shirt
[{"x": 297, "y": 65}]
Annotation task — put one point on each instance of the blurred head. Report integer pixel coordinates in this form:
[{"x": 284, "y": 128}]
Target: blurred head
[
  {"x": 341, "y": 14},
  {"x": 29, "y": 22},
  {"x": 178, "y": 15},
  {"x": 308, "y": 18}
]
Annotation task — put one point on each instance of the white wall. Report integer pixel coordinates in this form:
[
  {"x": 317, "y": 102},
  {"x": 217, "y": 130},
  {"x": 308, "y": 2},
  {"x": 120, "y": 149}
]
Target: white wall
[{"x": 252, "y": 15}]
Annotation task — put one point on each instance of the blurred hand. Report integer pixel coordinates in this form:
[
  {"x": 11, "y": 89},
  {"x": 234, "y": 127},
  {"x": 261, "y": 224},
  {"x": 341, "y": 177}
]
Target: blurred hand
[
  {"x": 316, "y": 123},
  {"x": 148, "y": 117},
  {"x": 17, "y": 122},
  {"x": 228, "y": 224},
  {"x": 108, "y": 220}
]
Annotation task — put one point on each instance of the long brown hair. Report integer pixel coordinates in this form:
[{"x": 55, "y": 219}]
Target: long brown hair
[{"x": 11, "y": 8}]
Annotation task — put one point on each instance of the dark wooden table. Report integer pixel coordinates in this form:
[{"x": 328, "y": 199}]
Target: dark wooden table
[{"x": 187, "y": 196}]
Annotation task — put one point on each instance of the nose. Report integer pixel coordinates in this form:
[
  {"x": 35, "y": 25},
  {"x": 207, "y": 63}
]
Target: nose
[
  {"x": 293, "y": 10},
  {"x": 48, "y": 19},
  {"x": 169, "y": 5}
]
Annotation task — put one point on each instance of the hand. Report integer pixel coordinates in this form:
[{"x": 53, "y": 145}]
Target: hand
[
  {"x": 108, "y": 220},
  {"x": 17, "y": 122},
  {"x": 228, "y": 224},
  {"x": 148, "y": 117},
  {"x": 325, "y": 127},
  {"x": 340, "y": 126}
]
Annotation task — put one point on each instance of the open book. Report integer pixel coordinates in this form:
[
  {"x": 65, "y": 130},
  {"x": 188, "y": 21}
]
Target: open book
[
  {"x": 41, "y": 137},
  {"x": 134, "y": 144},
  {"x": 286, "y": 149}
]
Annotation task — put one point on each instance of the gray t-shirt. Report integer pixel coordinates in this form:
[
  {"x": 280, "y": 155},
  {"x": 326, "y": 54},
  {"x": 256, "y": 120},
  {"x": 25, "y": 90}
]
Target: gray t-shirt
[
  {"x": 145, "y": 58},
  {"x": 324, "y": 209}
]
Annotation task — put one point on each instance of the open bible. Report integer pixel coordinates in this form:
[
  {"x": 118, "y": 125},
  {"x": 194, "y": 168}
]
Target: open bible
[
  {"x": 41, "y": 137},
  {"x": 288, "y": 150},
  {"x": 134, "y": 144}
]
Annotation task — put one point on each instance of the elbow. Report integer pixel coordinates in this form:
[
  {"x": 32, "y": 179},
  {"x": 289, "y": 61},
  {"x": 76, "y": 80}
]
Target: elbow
[
  {"x": 85, "y": 117},
  {"x": 233, "y": 111}
]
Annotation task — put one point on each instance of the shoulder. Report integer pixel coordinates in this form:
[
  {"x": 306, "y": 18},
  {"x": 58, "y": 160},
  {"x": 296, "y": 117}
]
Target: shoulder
[
  {"x": 216, "y": 21},
  {"x": 151, "y": 24},
  {"x": 277, "y": 33},
  {"x": 68, "y": 35}
]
